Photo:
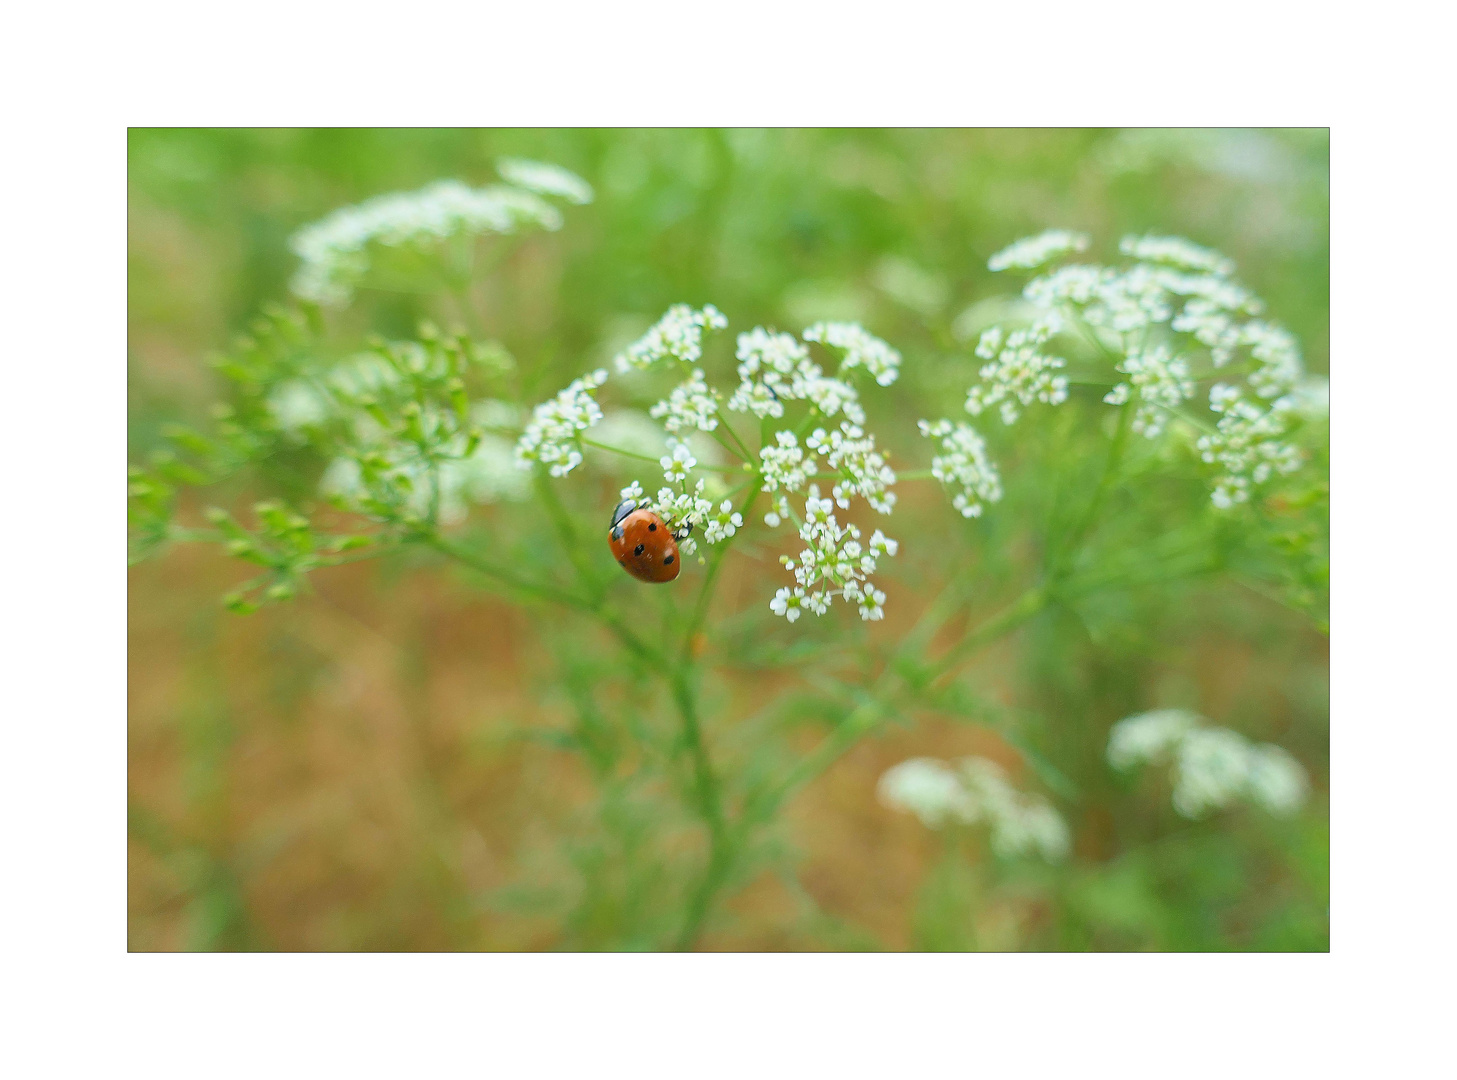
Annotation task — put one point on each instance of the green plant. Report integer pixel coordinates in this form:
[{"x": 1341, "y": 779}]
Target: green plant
[{"x": 1115, "y": 489}]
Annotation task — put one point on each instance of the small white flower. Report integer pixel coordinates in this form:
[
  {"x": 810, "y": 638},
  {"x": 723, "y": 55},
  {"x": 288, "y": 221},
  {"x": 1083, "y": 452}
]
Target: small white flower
[
  {"x": 633, "y": 491},
  {"x": 723, "y": 524},
  {"x": 677, "y": 465},
  {"x": 870, "y": 605},
  {"x": 787, "y": 603}
]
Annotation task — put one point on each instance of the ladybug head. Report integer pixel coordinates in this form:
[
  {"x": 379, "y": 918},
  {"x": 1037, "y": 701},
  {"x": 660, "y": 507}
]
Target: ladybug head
[{"x": 625, "y": 507}]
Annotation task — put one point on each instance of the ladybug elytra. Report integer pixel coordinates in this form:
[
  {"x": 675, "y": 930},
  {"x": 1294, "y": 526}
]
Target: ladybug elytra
[{"x": 643, "y": 544}]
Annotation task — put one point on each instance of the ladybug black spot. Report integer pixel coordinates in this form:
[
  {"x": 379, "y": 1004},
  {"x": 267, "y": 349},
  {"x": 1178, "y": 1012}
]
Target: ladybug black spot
[
  {"x": 652, "y": 527},
  {"x": 637, "y": 550},
  {"x": 667, "y": 560}
]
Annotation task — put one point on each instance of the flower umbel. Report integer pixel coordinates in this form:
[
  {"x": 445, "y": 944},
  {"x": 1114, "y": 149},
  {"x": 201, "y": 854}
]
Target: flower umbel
[
  {"x": 553, "y": 437},
  {"x": 1213, "y": 767},
  {"x": 677, "y": 335},
  {"x": 973, "y": 791}
]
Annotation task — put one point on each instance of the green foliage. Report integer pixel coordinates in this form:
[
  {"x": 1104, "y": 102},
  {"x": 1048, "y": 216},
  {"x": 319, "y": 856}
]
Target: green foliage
[{"x": 1089, "y": 592}]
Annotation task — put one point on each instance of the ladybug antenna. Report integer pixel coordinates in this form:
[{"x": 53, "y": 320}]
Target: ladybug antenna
[{"x": 625, "y": 507}]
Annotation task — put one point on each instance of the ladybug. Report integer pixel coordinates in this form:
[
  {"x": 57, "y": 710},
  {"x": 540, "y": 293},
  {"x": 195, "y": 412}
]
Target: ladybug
[{"x": 643, "y": 544}]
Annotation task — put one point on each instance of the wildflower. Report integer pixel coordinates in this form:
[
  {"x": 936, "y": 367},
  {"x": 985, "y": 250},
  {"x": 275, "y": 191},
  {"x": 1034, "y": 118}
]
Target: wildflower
[
  {"x": 694, "y": 404},
  {"x": 723, "y": 524},
  {"x": 678, "y": 464},
  {"x": 768, "y": 364},
  {"x": 334, "y": 250},
  {"x": 851, "y": 452},
  {"x": 1212, "y": 767},
  {"x": 1020, "y": 373},
  {"x": 1034, "y": 251},
  {"x": 1162, "y": 382},
  {"x": 1172, "y": 286},
  {"x": 927, "y": 788},
  {"x": 861, "y": 350},
  {"x": 553, "y": 435},
  {"x": 785, "y": 464},
  {"x": 882, "y": 544},
  {"x": 1247, "y": 444},
  {"x": 677, "y": 335},
  {"x": 870, "y": 605},
  {"x": 977, "y": 790},
  {"x": 545, "y": 179},
  {"x": 1176, "y": 251},
  {"x": 963, "y": 463},
  {"x": 787, "y": 603},
  {"x": 834, "y": 561},
  {"x": 1148, "y": 736}
]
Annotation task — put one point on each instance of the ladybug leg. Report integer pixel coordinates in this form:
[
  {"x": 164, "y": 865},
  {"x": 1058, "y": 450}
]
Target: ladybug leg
[{"x": 683, "y": 533}]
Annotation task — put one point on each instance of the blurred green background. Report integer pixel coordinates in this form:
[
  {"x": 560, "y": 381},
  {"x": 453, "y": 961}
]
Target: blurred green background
[{"x": 337, "y": 773}]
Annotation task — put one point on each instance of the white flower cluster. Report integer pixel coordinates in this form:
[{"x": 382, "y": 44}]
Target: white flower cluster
[
  {"x": 1176, "y": 251},
  {"x": 1246, "y": 444},
  {"x": 861, "y": 349},
  {"x": 1162, "y": 382},
  {"x": 334, "y": 251},
  {"x": 964, "y": 464},
  {"x": 693, "y": 404},
  {"x": 775, "y": 368},
  {"x": 976, "y": 790},
  {"x": 835, "y": 562},
  {"x": 678, "y": 334},
  {"x": 785, "y": 465},
  {"x": 545, "y": 179},
  {"x": 1212, "y": 767},
  {"x": 863, "y": 469},
  {"x": 1172, "y": 287},
  {"x": 553, "y": 435},
  {"x": 1034, "y": 251},
  {"x": 1019, "y": 373}
]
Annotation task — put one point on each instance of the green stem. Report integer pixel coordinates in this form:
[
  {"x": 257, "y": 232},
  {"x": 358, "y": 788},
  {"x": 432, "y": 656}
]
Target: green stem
[
  {"x": 748, "y": 454},
  {"x": 708, "y": 801}
]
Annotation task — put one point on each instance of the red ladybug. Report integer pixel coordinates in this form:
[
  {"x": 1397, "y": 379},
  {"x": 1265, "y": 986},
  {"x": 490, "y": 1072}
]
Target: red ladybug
[{"x": 643, "y": 544}]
